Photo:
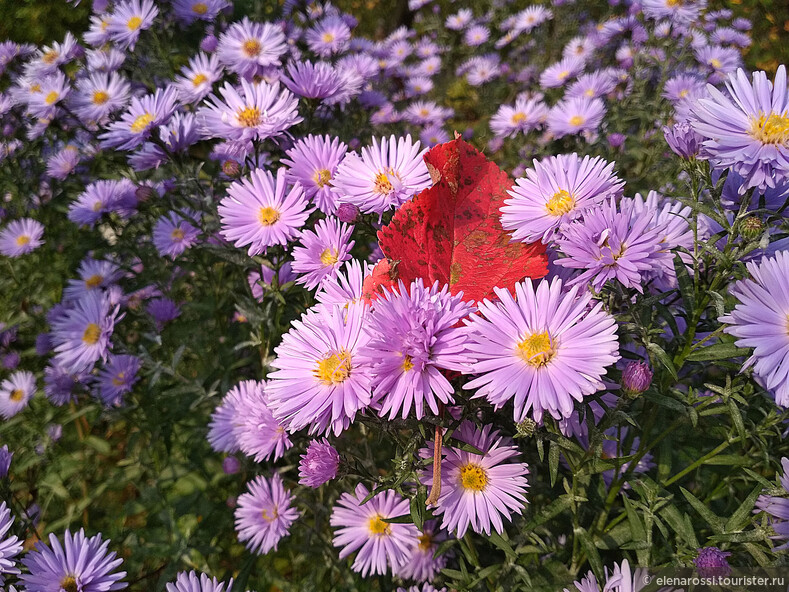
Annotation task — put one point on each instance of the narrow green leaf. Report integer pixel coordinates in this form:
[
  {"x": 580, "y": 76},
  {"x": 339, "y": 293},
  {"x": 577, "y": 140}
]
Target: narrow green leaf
[
  {"x": 742, "y": 515},
  {"x": 717, "y": 351},
  {"x": 663, "y": 358},
  {"x": 553, "y": 461},
  {"x": 592, "y": 554},
  {"x": 502, "y": 544},
  {"x": 712, "y": 520}
]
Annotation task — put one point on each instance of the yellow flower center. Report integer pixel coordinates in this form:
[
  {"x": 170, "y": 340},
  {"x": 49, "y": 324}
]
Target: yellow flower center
[
  {"x": 94, "y": 281},
  {"x": 248, "y": 116},
  {"x": 382, "y": 184},
  {"x": 134, "y": 23},
  {"x": 684, "y": 93},
  {"x": 407, "y": 363},
  {"x": 537, "y": 349},
  {"x": 50, "y": 56},
  {"x": 424, "y": 112},
  {"x": 589, "y": 92},
  {"x": 473, "y": 477},
  {"x": 119, "y": 379},
  {"x": 270, "y": 516},
  {"x": 267, "y": 216},
  {"x": 560, "y": 203},
  {"x": 199, "y": 8},
  {"x": 141, "y": 123},
  {"x": 327, "y": 37},
  {"x": 563, "y": 74},
  {"x": 16, "y": 395},
  {"x": 425, "y": 541},
  {"x": 673, "y": 3},
  {"x": 715, "y": 63},
  {"x": 69, "y": 584},
  {"x": 100, "y": 97},
  {"x": 22, "y": 240},
  {"x": 322, "y": 177},
  {"x": 199, "y": 79},
  {"x": 91, "y": 334},
  {"x": 51, "y": 97},
  {"x": 379, "y": 527},
  {"x": 329, "y": 257},
  {"x": 576, "y": 120},
  {"x": 771, "y": 128},
  {"x": 334, "y": 369},
  {"x": 251, "y": 47},
  {"x": 177, "y": 234},
  {"x": 97, "y": 205}
]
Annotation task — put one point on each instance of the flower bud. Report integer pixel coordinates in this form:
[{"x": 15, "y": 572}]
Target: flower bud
[
  {"x": 143, "y": 193},
  {"x": 526, "y": 428},
  {"x": 231, "y": 168},
  {"x": 683, "y": 140},
  {"x": 209, "y": 43},
  {"x": 751, "y": 228},
  {"x": 711, "y": 561},
  {"x": 347, "y": 213},
  {"x": 231, "y": 465},
  {"x": 636, "y": 378}
]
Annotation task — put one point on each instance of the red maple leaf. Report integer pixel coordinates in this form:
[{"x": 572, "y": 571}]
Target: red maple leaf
[{"x": 451, "y": 232}]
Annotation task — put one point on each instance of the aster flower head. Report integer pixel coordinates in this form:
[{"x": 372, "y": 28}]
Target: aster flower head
[
  {"x": 313, "y": 162},
  {"x": 422, "y": 563},
  {"x": 190, "y": 582},
  {"x": 260, "y": 211},
  {"x": 681, "y": 13},
  {"x": 94, "y": 274},
  {"x": 21, "y": 237},
  {"x": 247, "y": 47},
  {"x": 82, "y": 335},
  {"x": 478, "y": 490},
  {"x": 413, "y": 336},
  {"x": 476, "y": 35},
  {"x": 749, "y": 130},
  {"x": 544, "y": 350},
  {"x": 759, "y": 320},
  {"x": 189, "y": 11},
  {"x": 264, "y": 514},
  {"x": 10, "y": 545},
  {"x": 711, "y": 562},
  {"x": 345, "y": 287},
  {"x": 460, "y": 20},
  {"x": 319, "y": 465},
  {"x": 328, "y": 37},
  {"x": 53, "y": 90},
  {"x": 683, "y": 139},
  {"x": 360, "y": 527},
  {"x": 129, "y": 19},
  {"x": 527, "y": 114},
  {"x": 259, "y": 111},
  {"x": 321, "y": 252},
  {"x": 255, "y": 430},
  {"x": 16, "y": 392},
  {"x": 118, "y": 378},
  {"x": 80, "y": 563},
  {"x": 320, "y": 80},
  {"x": 62, "y": 387},
  {"x": 591, "y": 85},
  {"x": 556, "y": 191},
  {"x": 778, "y": 508},
  {"x": 424, "y": 112},
  {"x": 99, "y": 94},
  {"x": 143, "y": 116},
  {"x": 61, "y": 164},
  {"x": 385, "y": 176},
  {"x": 173, "y": 234},
  {"x": 163, "y": 310},
  {"x": 610, "y": 244},
  {"x": 558, "y": 74},
  {"x": 197, "y": 77},
  {"x": 227, "y": 416},
  {"x": 575, "y": 116},
  {"x": 320, "y": 381}
]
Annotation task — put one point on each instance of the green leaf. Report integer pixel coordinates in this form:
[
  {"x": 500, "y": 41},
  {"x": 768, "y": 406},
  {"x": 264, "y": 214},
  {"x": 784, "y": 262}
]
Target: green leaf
[
  {"x": 712, "y": 520},
  {"x": 636, "y": 526},
  {"x": 718, "y": 351},
  {"x": 742, "y": 515},
  {"x": 553, "y": 509},
  {"x": 553, "y": 461},
  {"x": 662, "y": 357},
  {"x": 502, "y": 544},
  {"x": 404, "y": 519},
  {"x": 685, "y": 285},
  {"x": 592, "y": 554},
  {"x": 99, "y": 445}
]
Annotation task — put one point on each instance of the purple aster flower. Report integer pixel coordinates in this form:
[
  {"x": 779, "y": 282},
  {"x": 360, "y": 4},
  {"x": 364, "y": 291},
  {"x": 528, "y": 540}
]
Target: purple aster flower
[
  {"x": 418, "y": 85},
  {"x": 683, "y": 140},
  {"x": 476, "y": 35},
  {"x": 425, "y": 112},
  {"x": 61, "y": 164},
  {"x": 344, "y": 287},
  {"x": 144, "y": 115},
  {"x": 529, "y": 18},
  {"x": 759, "y": 320},
  {"x": 422, "y": 563},
  {"x": 458, "y": 22},
  {"x": 189, "y": 11},
  {"x": 527, "y": 114},
  {"x": 558, "y": 74},
  {"x": 385, "y": 176},
  {"x": 711, "y": 562},
  {"x": 128, "y": 19},
  {"x": 546, "y": 349},
  {"x": 319, "y": 465},
  {"x": 189, "y": 582},
  {"x": 82, "y": 335},
  {"x": 209, "y": 43},
  {"x": 433, "y": 135},
  {"x": 62, "y": 387},
  {"x": 681, "y": 13},
  {"x": 79, "y": 564},
  {"x": 778, "y": 508},
  {"x": 105, "y": 60},
  {"x": 21, "y": 237},
  {"x": 609, "y": 244},
  {"x": 555, "y": 192},
  {"x": 330, "y": 36},
  {"x": 264, "y": 514},
  {"x": 10, "y": 545},
  {"x": 361, "y": 527},
  {"x": 98, "y": 95},
  {"x": 482, "y": 69},
  {"x": 320, "y": 381},
  {"x": 117, "y": 378},
  {"x": 749, "y": 134},
  {"x": 247, "y": 47},
  {"x": 5, "y": 461},
  {"x": 721, "y": 62},
  {"x": 574, "y": 116},
  {"x": 10, "y": 360},
  {"x": 255, "y": 430},
  {"x": 313, "y": 162},
  {"x": 321, "y": 253},
  {"x": 260, "y": 212},
  {"x": 163, "y": 311},
  {"x": 622, "y": 579},
  {"x": 49, "y": 58},
  {"x": 44, "y": 103},
  {"x": 197, "y": 78},
  {"x": 16, "y": 392},
  {"x": 173, "y": 234},
  {"x": 98, "y": 32},
  {"x": 261, "y": 111},
  {"x": 313, "y": 81},
  {"x": 636, "y": 378},
  {"x": 413, "y": 336},
  {"x": 94, "y": 274},
  {"x": 592, "y": 85},
  {"x": 227, "y": 415},
  {"x": 100, "y": 197},
  {"x": 477, "y": 490}
]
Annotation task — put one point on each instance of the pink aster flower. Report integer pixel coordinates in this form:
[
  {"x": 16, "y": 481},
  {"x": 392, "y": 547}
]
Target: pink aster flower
[
  {"x": 319, "y": 465},
  {"x": 143, "y": 116},
  {"x": 360, "y": 527},
  {"x": 130, "y": 18},
  {"x": 477, "y": 490},
  {"x": 260, "y": 212},
  {"x": 556, "y": 191},
  {"x": 385, "y": 175},
  {"x": 423, "y": 564},
  {"x": 313, "y": 162},
  {"x": 21, "y": 237},
  {"x": 264, "y": 514},
  {"x": 545, "y": 349},
  {"x": 258, "y": 434},
  {"x": 246, "y": 47},
  {"x": 321, "y": 252},
  {"x": 259, "y": 111},
  {"x": 320, "y": 381},
  {"x": 189, "y": 582},
  {"x": 344, "y": 287},
  {"x": 525, "y": 115},
  {"x": 413, "y": 336}
]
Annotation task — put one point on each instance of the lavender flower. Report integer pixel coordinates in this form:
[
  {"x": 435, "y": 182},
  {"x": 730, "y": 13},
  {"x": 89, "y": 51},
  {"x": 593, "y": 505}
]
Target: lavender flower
[{"x": 319, "y": 465}]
